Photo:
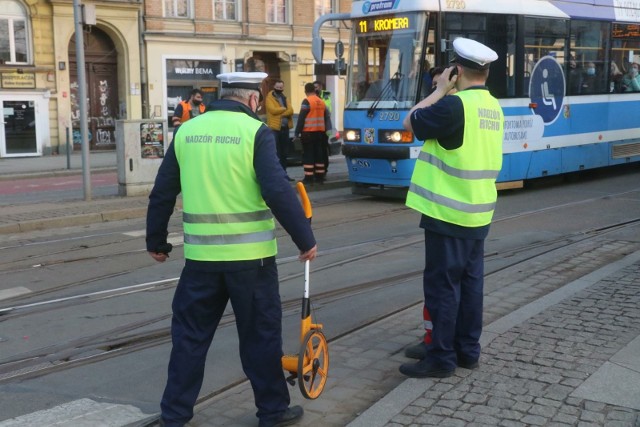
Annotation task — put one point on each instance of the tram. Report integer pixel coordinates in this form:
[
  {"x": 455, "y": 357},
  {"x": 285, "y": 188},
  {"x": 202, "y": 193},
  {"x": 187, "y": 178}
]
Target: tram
[{"x": 564, "y": 79}]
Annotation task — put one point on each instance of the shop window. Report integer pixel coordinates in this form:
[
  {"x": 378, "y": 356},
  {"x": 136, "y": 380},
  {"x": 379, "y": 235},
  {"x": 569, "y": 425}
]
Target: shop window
[
  {"x": 177, "y": 8},
  {"x": 14, "y": 40},
  {"x": 277, "y": 11},
  {"x": 225, "y": 10}
]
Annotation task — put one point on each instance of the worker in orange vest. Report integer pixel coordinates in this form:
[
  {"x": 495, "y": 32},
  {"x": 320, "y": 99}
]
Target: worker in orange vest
[
  {"x": 313, "y": 122},
  {"x": 189, "y": 109}
]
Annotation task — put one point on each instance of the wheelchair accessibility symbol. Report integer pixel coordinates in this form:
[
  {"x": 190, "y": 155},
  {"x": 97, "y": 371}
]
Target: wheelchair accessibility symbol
[{"x": 547, "y": 88}]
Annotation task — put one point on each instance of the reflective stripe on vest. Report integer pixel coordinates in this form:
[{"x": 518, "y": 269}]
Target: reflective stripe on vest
[
  {"x": 458, "y": 186},
  {"x": 314, "y": 121},
  {"x": 225, "y": 217}
]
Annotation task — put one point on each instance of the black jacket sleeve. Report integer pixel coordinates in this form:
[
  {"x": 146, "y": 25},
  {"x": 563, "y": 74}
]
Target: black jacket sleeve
[
  {"x": 278, "y": 193},
  {"x": 162, "y": 200}
]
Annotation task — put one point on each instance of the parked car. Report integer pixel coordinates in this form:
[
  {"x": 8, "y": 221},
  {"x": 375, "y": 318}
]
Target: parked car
[{"x": 295, "y": 148}]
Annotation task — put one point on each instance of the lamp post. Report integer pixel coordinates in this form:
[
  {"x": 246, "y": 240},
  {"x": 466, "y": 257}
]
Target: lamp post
[{"x": 82, "y": 95}]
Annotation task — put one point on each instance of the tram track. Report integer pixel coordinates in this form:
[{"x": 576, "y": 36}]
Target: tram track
[
  {"x": 124, "y": 339},
  {"x": 39, "y": 260}
]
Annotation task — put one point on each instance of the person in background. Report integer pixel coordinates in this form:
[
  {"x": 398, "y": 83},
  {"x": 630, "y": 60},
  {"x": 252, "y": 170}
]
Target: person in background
[
  {"x": 591, "y": 81},
  {"x": 188, "y": 109},
  {"x": 574, "y": 77},
  {"x": 325, "y": 95},
  {"x": 225, "y": 164},
  {"x": 453, "y": 187},
  {"x": 631, "y": 80},
  {"x": 615, "y": 78},
  {"x": 280, "y": 120},
  {"x": 313, "y": 122}
]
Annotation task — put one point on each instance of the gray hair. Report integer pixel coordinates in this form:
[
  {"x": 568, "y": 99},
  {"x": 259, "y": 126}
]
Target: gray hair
[{"x": 234, "y": 92}]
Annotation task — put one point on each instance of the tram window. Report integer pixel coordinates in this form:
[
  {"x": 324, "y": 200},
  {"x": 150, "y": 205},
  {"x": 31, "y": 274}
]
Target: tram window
[
  {"x": 500, "y": 37},
  {"x": 588, "y": 71},
  {"x": 465, "y": 21},
  {"x": 625, "y": 52},
  {"x": 543, "y": 37}
]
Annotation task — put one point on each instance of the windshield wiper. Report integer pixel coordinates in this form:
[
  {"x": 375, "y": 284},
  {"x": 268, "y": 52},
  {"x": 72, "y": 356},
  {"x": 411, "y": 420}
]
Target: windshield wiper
[{"x": 387, "y": 88}]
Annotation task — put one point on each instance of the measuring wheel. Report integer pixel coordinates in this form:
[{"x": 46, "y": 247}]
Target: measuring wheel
[{"x": 313, "y": 364}]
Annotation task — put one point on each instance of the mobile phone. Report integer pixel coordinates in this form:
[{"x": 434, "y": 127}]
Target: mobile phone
[{"x": 454, "y": 72}]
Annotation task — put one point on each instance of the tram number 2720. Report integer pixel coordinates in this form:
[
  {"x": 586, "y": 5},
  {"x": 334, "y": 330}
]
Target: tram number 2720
[
  {"x": 389, "y": 116},
  {"x": 456, "y": 4}
]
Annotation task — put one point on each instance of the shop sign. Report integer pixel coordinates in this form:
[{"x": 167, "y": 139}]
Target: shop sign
[
  {"x": 18, "y": 81},
  {"x": 179, "y": 69}
]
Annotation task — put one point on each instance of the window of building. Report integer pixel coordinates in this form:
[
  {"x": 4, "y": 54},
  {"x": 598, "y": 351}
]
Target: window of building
[
  {"x": 277, "y": 11},
  {"x": 176, "y": 8},
  {"x": 323, "y": 7},
  {"x": 14, "y": 43},
  {"x": 225, "y": 10}
]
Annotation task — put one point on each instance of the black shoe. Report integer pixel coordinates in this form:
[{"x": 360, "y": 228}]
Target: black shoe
[
  {"x": 307, "y": 180},
  {"x": 290, "y": 179},
  {"x": 417, "y": 351},
  {"x": 468, "y": 364},
  {"x": 291, "y": 416},
  {"x": 423, "y": 369}
]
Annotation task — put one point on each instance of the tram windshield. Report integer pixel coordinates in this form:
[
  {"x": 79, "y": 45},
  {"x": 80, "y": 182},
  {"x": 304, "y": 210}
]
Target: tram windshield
[{"x": 386, "y": 61}]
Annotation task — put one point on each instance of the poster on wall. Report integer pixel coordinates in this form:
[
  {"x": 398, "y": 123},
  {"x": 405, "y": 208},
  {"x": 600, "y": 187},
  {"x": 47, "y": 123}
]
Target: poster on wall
[{"x": 152, "y": 140}]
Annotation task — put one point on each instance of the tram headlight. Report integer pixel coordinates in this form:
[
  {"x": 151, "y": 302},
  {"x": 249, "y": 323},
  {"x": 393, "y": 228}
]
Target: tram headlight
[
  {"x": 394, "y": 136},
  {"x": 352, "y": 135}
]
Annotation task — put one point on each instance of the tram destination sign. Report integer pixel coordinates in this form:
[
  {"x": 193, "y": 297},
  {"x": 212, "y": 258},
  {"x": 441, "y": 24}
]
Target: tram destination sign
[
  {"x": 384, "y": 24},
  {"x": 626, "y": 31}
]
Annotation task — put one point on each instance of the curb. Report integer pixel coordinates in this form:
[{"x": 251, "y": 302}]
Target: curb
[
  {"x": 115, "y": 214},
  {"x": 73, "y": 220},
  {"x": 53, "y": 174}
]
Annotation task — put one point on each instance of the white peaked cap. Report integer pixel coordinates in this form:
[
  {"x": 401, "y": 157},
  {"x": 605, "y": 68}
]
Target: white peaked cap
[
  {"x": 472, "y": 54},
  {"x": 243, "y": 80}
]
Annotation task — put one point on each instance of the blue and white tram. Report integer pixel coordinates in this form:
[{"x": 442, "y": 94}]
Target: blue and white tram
[{"x": 564, "y": 78}]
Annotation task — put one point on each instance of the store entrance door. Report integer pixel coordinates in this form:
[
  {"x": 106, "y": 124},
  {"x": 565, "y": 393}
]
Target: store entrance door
[{"x": 18, "y": 131}]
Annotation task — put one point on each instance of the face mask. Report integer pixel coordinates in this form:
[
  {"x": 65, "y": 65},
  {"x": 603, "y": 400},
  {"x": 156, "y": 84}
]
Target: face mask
[
  {"x": 634, "y": 71},
  {"x": 591, "y": 71},
  {"x": 196, "y": 102},
  {"x": 278, "y": 91}
]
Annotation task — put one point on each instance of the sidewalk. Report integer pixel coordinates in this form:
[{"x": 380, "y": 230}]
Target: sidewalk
[
  {"x": 569, "y": 358},
  {"x": 18, "y": 218}
]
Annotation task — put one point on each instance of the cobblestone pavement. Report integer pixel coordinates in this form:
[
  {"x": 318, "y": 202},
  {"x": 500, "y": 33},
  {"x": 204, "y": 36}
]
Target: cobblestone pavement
[{"x": 529, "y": 372}]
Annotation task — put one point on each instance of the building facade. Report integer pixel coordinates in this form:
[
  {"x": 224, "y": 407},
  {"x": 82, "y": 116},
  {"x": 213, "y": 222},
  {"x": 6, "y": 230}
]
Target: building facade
[
  {"x": 38, "y": 74},
  {"x": 141, "y": 59},
  {"x": 188, "y": 42}
]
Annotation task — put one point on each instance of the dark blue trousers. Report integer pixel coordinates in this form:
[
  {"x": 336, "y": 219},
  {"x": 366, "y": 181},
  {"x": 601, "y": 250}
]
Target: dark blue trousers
[
  {"x": 282, "y": 145},
  {"x": 198, "y": 306},
  {"x": 453, "y": 292}
]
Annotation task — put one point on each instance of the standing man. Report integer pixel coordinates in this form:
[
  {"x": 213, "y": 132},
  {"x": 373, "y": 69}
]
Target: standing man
[
  {"x": 453, "y": 186},
  {"x": 313, "y": 122},
  {"x": 188, "y": 109},
  {"x": 225, "y": 164},
  {"x": 325, "y": 95},
  {"x": 280, "y": 120}
]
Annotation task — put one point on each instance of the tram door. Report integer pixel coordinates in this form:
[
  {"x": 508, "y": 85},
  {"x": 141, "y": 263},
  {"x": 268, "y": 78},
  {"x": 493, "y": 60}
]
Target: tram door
[{"x": 19, "y": 127}]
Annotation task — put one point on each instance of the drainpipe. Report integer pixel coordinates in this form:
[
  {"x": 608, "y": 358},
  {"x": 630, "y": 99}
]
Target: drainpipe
[{"x": 146, "y": 110}]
